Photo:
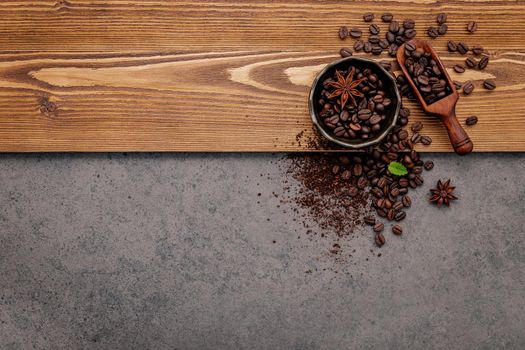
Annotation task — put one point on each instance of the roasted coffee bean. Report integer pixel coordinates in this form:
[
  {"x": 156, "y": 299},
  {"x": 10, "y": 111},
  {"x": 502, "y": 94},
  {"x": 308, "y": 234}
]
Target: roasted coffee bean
[
  {"x": 457, "y": 84},
  {"x": 410, "y": 33},
  {"x": 361, "y": 183},
  {"x": 345, "y": 52},
  {"x": 407, "y": 202},
  {"x": 394, "y": 27},
  {"x": 483, "y": 62},
  {"x": 397, "y": 206},
  {"x": 335, "y": 169},
  {"x": 409, "y": 24},
  {"x": 441, "y": 18},
  {"x": 364, "y": 114},
  {"x": 370, "y": 220},
  {"x": 378, "y": 227},
  {"x": 358, "y": 169},
  {"x": 472, "y": 120},
  {"x": 471, "y": 62},
  {"x": 358, "y": 46},
  {"x": 426, "y": 140},
  {"x": 368, "y": 17},
  {"x": 429, "y": 165},
  {"x": 402, "y": 135},
  {"x": 374, "y": 29},
  {"x": 468, "y": 87},
  {"x": 459, "y": 68},
  {"x": 390, "y": 37},
  {"x": 343, "y": 32},
  {"x": 410, "y": 46},
  {"x": 376, "y": 50},
  {"x": 489, "y": 84},
  {"x": 451, "y": 46},
  {"x": 367, "y": 47},
  {"x": 432, "y": 32},
  {"x": 397, "y": 230},
  {"x": 417, "y": 126},
  {"x": 472, "y": 27},
  {"x": 387, "y": 17},
  {"x": 477, "y": 50},
  {"x": 355, "y": 33},
  {"x": 462, "y": 48},
  {"x": 442, "y": 30},
  {"x": 373, "y": 39},
  {"x": 400, "y": 216},
  {"x": 344, "y": 115},
  {"x": 403, "y": 182},
  {"x": 380, "y": 239},
  {"x": 416, "y": 137}
]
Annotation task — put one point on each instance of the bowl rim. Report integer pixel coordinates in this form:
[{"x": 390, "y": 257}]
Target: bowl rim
[{"x": 332, "y": 138}]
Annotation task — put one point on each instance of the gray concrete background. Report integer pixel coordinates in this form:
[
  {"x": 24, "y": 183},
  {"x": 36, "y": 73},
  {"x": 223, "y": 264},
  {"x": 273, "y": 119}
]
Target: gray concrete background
[{"x": 172, "y": 251}]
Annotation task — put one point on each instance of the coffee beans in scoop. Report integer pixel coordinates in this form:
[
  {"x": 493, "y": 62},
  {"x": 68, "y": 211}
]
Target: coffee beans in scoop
[{"x": 426, "y": 74}]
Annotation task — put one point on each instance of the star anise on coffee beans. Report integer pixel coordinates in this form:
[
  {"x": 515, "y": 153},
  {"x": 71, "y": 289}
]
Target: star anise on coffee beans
[
  {"x": 346, "y": 87},
  {"x": 443, "y": 193}
]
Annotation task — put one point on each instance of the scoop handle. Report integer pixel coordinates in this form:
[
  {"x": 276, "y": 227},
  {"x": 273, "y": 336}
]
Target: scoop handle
[{"x": 458, "y": 137}]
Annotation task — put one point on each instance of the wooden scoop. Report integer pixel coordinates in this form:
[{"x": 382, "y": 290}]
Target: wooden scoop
[{"x": 445, "y": 108}]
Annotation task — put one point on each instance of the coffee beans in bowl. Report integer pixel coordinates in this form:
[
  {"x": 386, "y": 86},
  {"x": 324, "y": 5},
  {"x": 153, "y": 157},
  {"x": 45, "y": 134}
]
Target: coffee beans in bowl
[{"x": 354, "y": 102}]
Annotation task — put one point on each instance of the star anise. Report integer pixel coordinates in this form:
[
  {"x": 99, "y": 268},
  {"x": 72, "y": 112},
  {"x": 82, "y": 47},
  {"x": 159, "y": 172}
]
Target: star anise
[
  {"x": 443, "y": 193},
  {"x": 346, "y": 87}
]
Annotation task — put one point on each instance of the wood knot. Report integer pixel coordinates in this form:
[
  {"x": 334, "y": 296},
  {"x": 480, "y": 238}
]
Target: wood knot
[
  {"x": 62, "y": 4},
  {"x": 47, "y": 108}
]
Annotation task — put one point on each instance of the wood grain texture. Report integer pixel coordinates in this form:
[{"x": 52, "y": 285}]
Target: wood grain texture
[{"x": 127, "y": 75}]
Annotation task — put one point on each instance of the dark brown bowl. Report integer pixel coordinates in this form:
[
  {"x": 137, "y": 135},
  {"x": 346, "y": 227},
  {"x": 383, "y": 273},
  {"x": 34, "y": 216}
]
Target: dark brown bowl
[{"x": 389, "y": 84}]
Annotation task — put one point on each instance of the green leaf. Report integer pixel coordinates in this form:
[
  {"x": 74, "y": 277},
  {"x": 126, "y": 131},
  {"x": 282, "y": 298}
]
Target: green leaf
[{"x": 397, "y": 169}]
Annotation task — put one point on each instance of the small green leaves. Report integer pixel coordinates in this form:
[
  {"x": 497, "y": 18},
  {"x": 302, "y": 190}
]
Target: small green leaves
[{"x": 397, "y": 169}]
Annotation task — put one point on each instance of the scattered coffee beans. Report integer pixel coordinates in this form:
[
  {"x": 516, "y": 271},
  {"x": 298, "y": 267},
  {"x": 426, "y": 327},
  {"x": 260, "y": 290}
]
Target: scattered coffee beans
[{"x": 472, "y": 120}]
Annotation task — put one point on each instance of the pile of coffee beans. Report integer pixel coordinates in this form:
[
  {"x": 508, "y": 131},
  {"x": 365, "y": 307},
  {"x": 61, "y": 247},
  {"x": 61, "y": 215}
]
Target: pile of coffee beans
[
  {"x": 362, "y": 114},
  {"x": 365, "y": 176},
  {"x": 426, "y": 74}
]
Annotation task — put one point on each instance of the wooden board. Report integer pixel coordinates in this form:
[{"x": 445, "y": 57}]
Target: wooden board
[{"x": 152, "y": 75}]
